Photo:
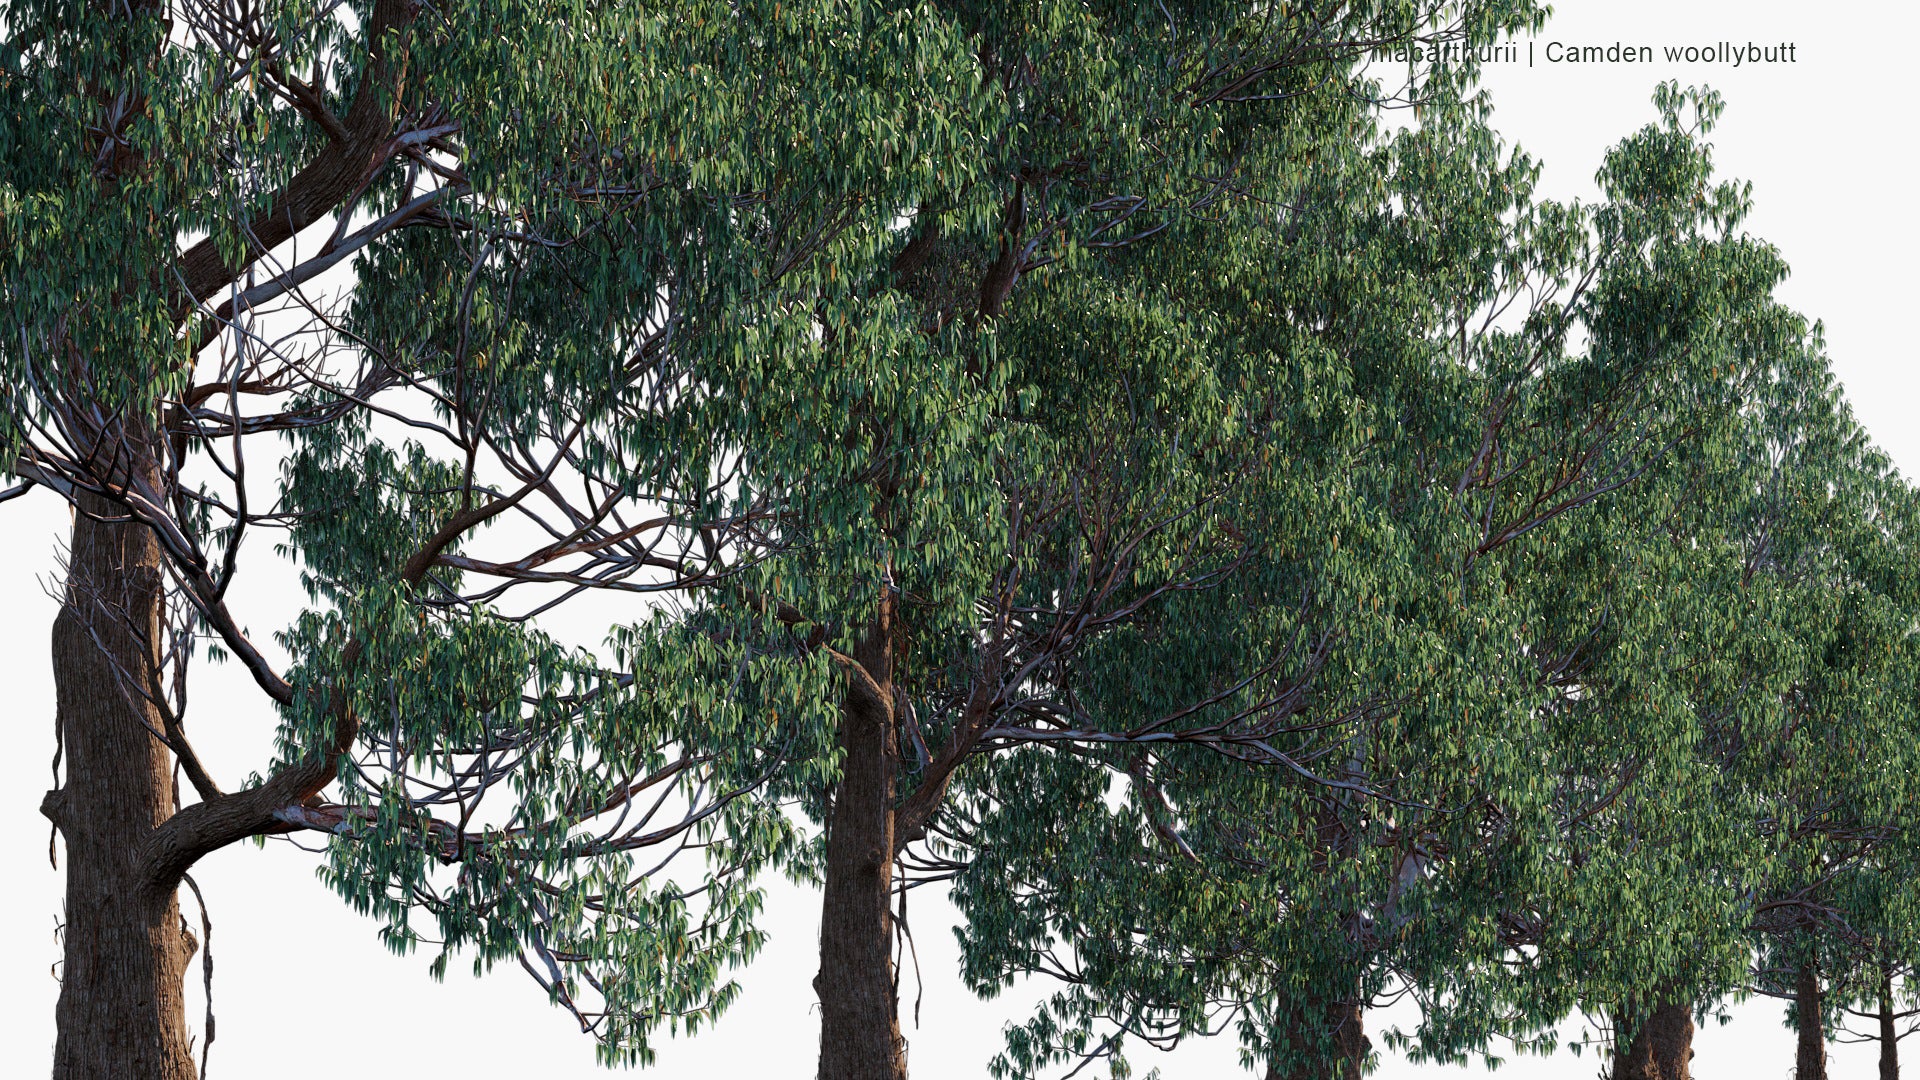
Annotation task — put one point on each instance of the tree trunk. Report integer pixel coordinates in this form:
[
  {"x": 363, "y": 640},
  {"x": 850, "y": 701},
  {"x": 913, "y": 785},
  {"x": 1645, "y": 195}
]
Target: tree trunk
[
  {"x": 1889, "y": 1030},
  {"x": 1809, "y": 1008},
  {"x": 1334, "y": 1049},
  {"x": 1661, "y": 1046},
  {"x": 859, "y": 1015},
  {"x": 121, "y": 1012},
  {"x": 1350, "y": 1036}
]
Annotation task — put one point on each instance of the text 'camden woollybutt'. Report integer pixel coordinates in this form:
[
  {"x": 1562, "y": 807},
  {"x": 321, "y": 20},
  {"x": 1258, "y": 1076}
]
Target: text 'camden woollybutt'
[{"x": 1531, "y": 53}]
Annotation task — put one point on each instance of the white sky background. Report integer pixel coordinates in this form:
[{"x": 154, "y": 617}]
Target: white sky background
[{"x": 1827, "y": 144}]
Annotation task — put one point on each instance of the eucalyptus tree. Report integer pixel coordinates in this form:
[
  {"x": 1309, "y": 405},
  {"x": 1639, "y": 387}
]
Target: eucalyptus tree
[
  {"x": 1679, "y": 640},
  {"x": 178, "y": 178},
  {"x": 174, "y": 173},
  {"x": 1737, "y": 693},
  {"x": 1791, "y": 635},
  {"x": 1878, "y": 990},
  {"x": 1009, "y": 509},
  {"x": 1464, "y": 746},
  {"x": 1214, "y": 891},
  {"x": 1840, "y": 946},
  {"x": 1830, "y": 520},
  {"x": 1871, "y": 939},
  {"x": 619, "y": 302},
  {"x": 1719, "y": 657}
]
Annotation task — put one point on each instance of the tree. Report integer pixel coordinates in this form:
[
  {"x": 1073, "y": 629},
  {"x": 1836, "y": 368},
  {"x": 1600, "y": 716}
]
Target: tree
[
  {"x": 654, "y": 253},
  {"x": 1454, "y": 854},
  {"x": 1829, "y": 518},
  {"x": 1757, "y": 659},
  {"x": 160, "y": 179},
  {"x": 1889, "y": 1005}
]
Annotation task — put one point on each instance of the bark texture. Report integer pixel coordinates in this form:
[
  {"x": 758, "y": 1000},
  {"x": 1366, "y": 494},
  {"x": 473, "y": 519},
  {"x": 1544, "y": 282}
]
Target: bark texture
[
  {"x": 1810, "y": 1050},
  {"x": 1661, "y": 1046},
  {"x": 1330, "y": 1043},
  {"x": 1889, "y": 1031},
  {"x": 121, "y": 1013},
  {"x": 859, "y": 1005}
]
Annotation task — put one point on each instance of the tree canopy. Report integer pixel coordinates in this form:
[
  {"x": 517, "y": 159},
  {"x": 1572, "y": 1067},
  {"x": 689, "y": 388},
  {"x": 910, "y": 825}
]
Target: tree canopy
[{"x": 1265, "y": 563}]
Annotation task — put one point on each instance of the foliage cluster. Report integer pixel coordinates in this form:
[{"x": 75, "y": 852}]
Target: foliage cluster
[{"x": 1266, "y": 561}]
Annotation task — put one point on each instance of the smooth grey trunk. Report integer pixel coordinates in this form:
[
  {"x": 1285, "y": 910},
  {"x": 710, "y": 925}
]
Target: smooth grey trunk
[{"x": 121, "y": 1013}]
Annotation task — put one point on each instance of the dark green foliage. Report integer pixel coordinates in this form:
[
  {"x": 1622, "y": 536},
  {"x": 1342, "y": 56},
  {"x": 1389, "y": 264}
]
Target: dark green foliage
[{"x": 1312, "y": 566}]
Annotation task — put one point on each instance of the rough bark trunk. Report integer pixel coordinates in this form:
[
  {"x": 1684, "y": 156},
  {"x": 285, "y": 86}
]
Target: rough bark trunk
[
  {"x": 859, "y": 1005},
  {"x": 1350, "y": 1036},
  {"x": 1810, "y": 1056},
  {"x": 1661, "y": 1046},
  {"x": 121, "y": 1011},
  {"x": 1335, "y": 1048},
  {"x": 1889, "y": 1031}
]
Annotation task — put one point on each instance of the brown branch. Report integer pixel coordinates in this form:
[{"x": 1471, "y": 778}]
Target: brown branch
[
  {"x": 329, "y": 179},
  {"x": 282, "y": 283},
  {"x": 911, "y": 818},
  {"x": 926, "y": 234},
  {"x": 997, "y": 284},
  {"x": 273, "y": 807}
]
